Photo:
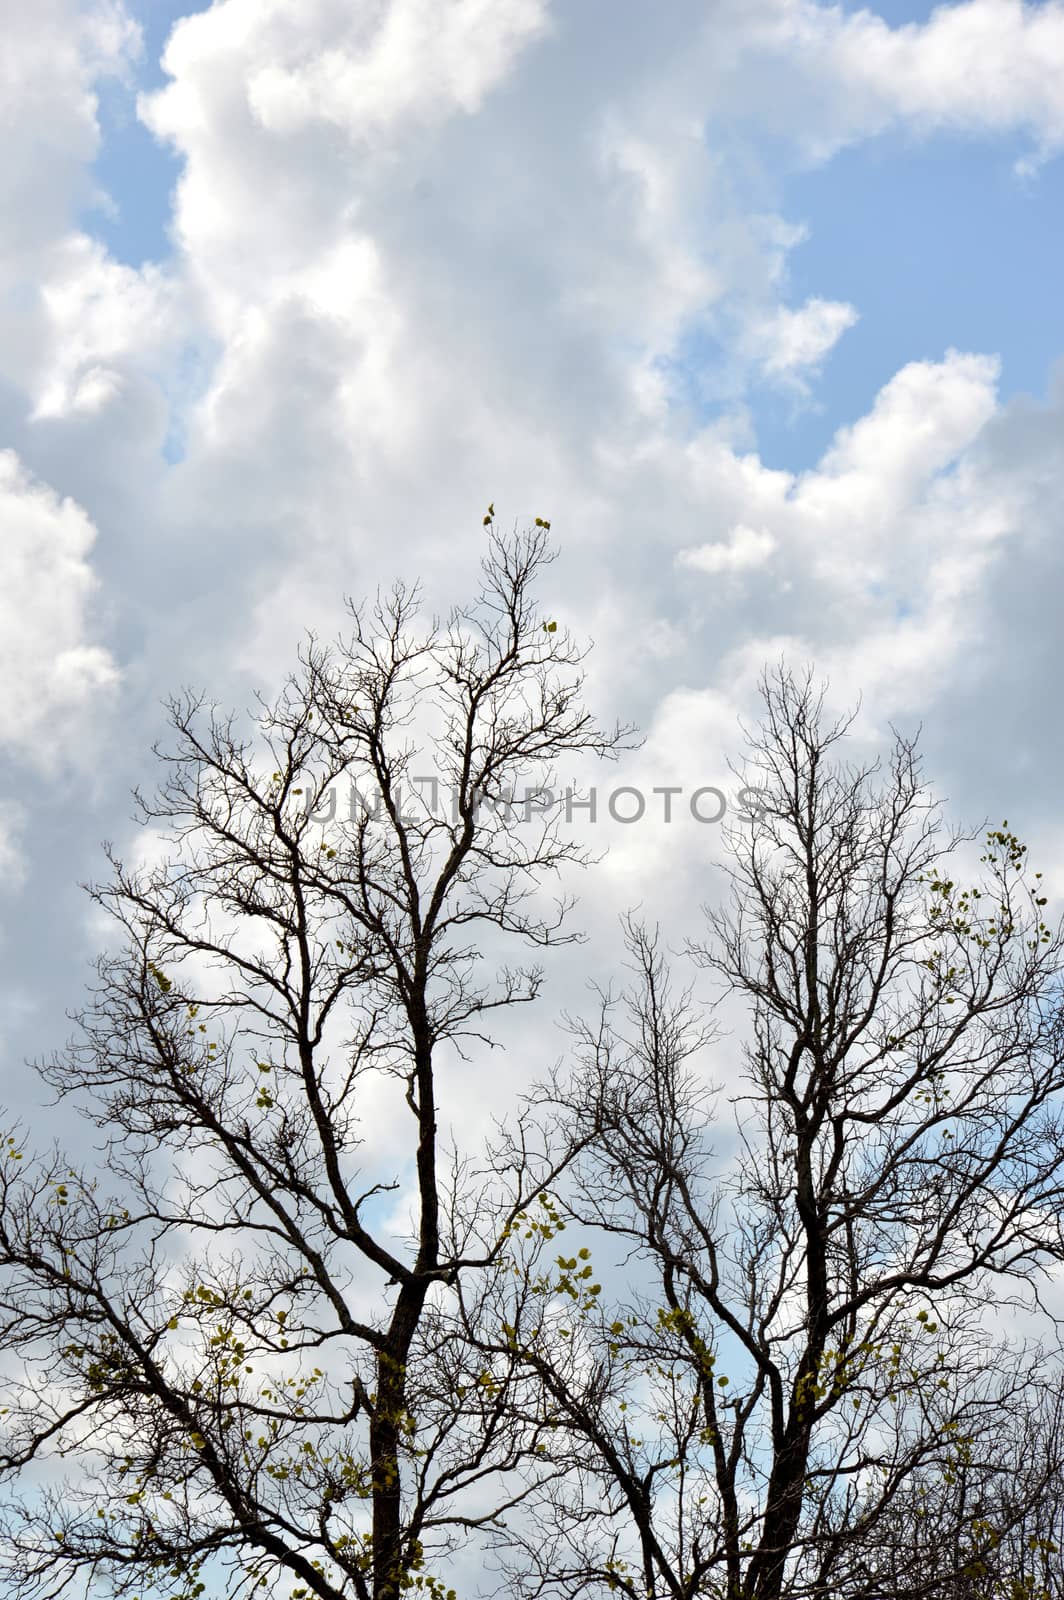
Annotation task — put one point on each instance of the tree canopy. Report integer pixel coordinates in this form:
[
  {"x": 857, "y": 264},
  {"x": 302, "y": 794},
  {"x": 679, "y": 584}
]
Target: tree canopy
[{"x": 278, "y": 1335}]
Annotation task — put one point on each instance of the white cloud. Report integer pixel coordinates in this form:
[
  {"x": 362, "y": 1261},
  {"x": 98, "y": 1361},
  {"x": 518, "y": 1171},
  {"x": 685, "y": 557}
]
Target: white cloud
[
  {"x": 257, "y": 94},
  {"x": 610, "y": 204},
  {"x": 789, "y": 344},
  {"x": 99, "y": 319},
  {"x": 54, "y": 53},
  {"x": 69, "y": 316},
  {"x": 110, "y": 39},
  {"x": 410, "y": 59},
  {"x": 856, "y": 507},
  {"x": 981, "y": 67},
  {"x": 986, "y": 65},
  {"x": 51, "y": 671},
  {"x": 430, "y": 258},
  {"x": 744, "y": 548},
  {"x": 877, "y": 565}
]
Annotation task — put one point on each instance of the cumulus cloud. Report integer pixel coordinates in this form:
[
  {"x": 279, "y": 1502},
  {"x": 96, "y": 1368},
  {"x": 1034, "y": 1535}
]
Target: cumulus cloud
[
  {"x": 362, "y": 293},
  {"x": 99, "y": 320},
  {"x": 875, "y": 468},
  {"x": 981, "y": 67},
  {"x": 880, "y": 551},
  {"x": 988, "y": 65},
  {"x": 74, "y": 324},
  {"x": 55, "y": 52},
  {"x": 430, "y": 257},
  {"x": 878, "y": 566},
  {"x": 743, "y": 549},
  {"x": 52, "y": 672},
  {"x": 409, "y": 59},
  {"x": 791, "y": 344}
]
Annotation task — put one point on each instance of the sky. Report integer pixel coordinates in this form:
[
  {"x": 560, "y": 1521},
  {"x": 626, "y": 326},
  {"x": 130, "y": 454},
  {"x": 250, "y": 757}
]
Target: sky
[{"x": 757, "y": 300}]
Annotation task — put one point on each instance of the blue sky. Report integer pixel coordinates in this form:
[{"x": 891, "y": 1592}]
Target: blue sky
[
  {"x": 135, "y": 169},
  {"x": 938, "y": 244},
  {"x": 138, "y": 176}
]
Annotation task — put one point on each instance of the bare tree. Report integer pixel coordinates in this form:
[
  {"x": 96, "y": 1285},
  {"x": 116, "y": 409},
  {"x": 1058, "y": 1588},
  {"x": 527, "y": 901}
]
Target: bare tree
[
  {"x": 990, "y": 1526},
  {"x": 809, "y": 1390},
  {"x": 236, "y": 1323}
]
